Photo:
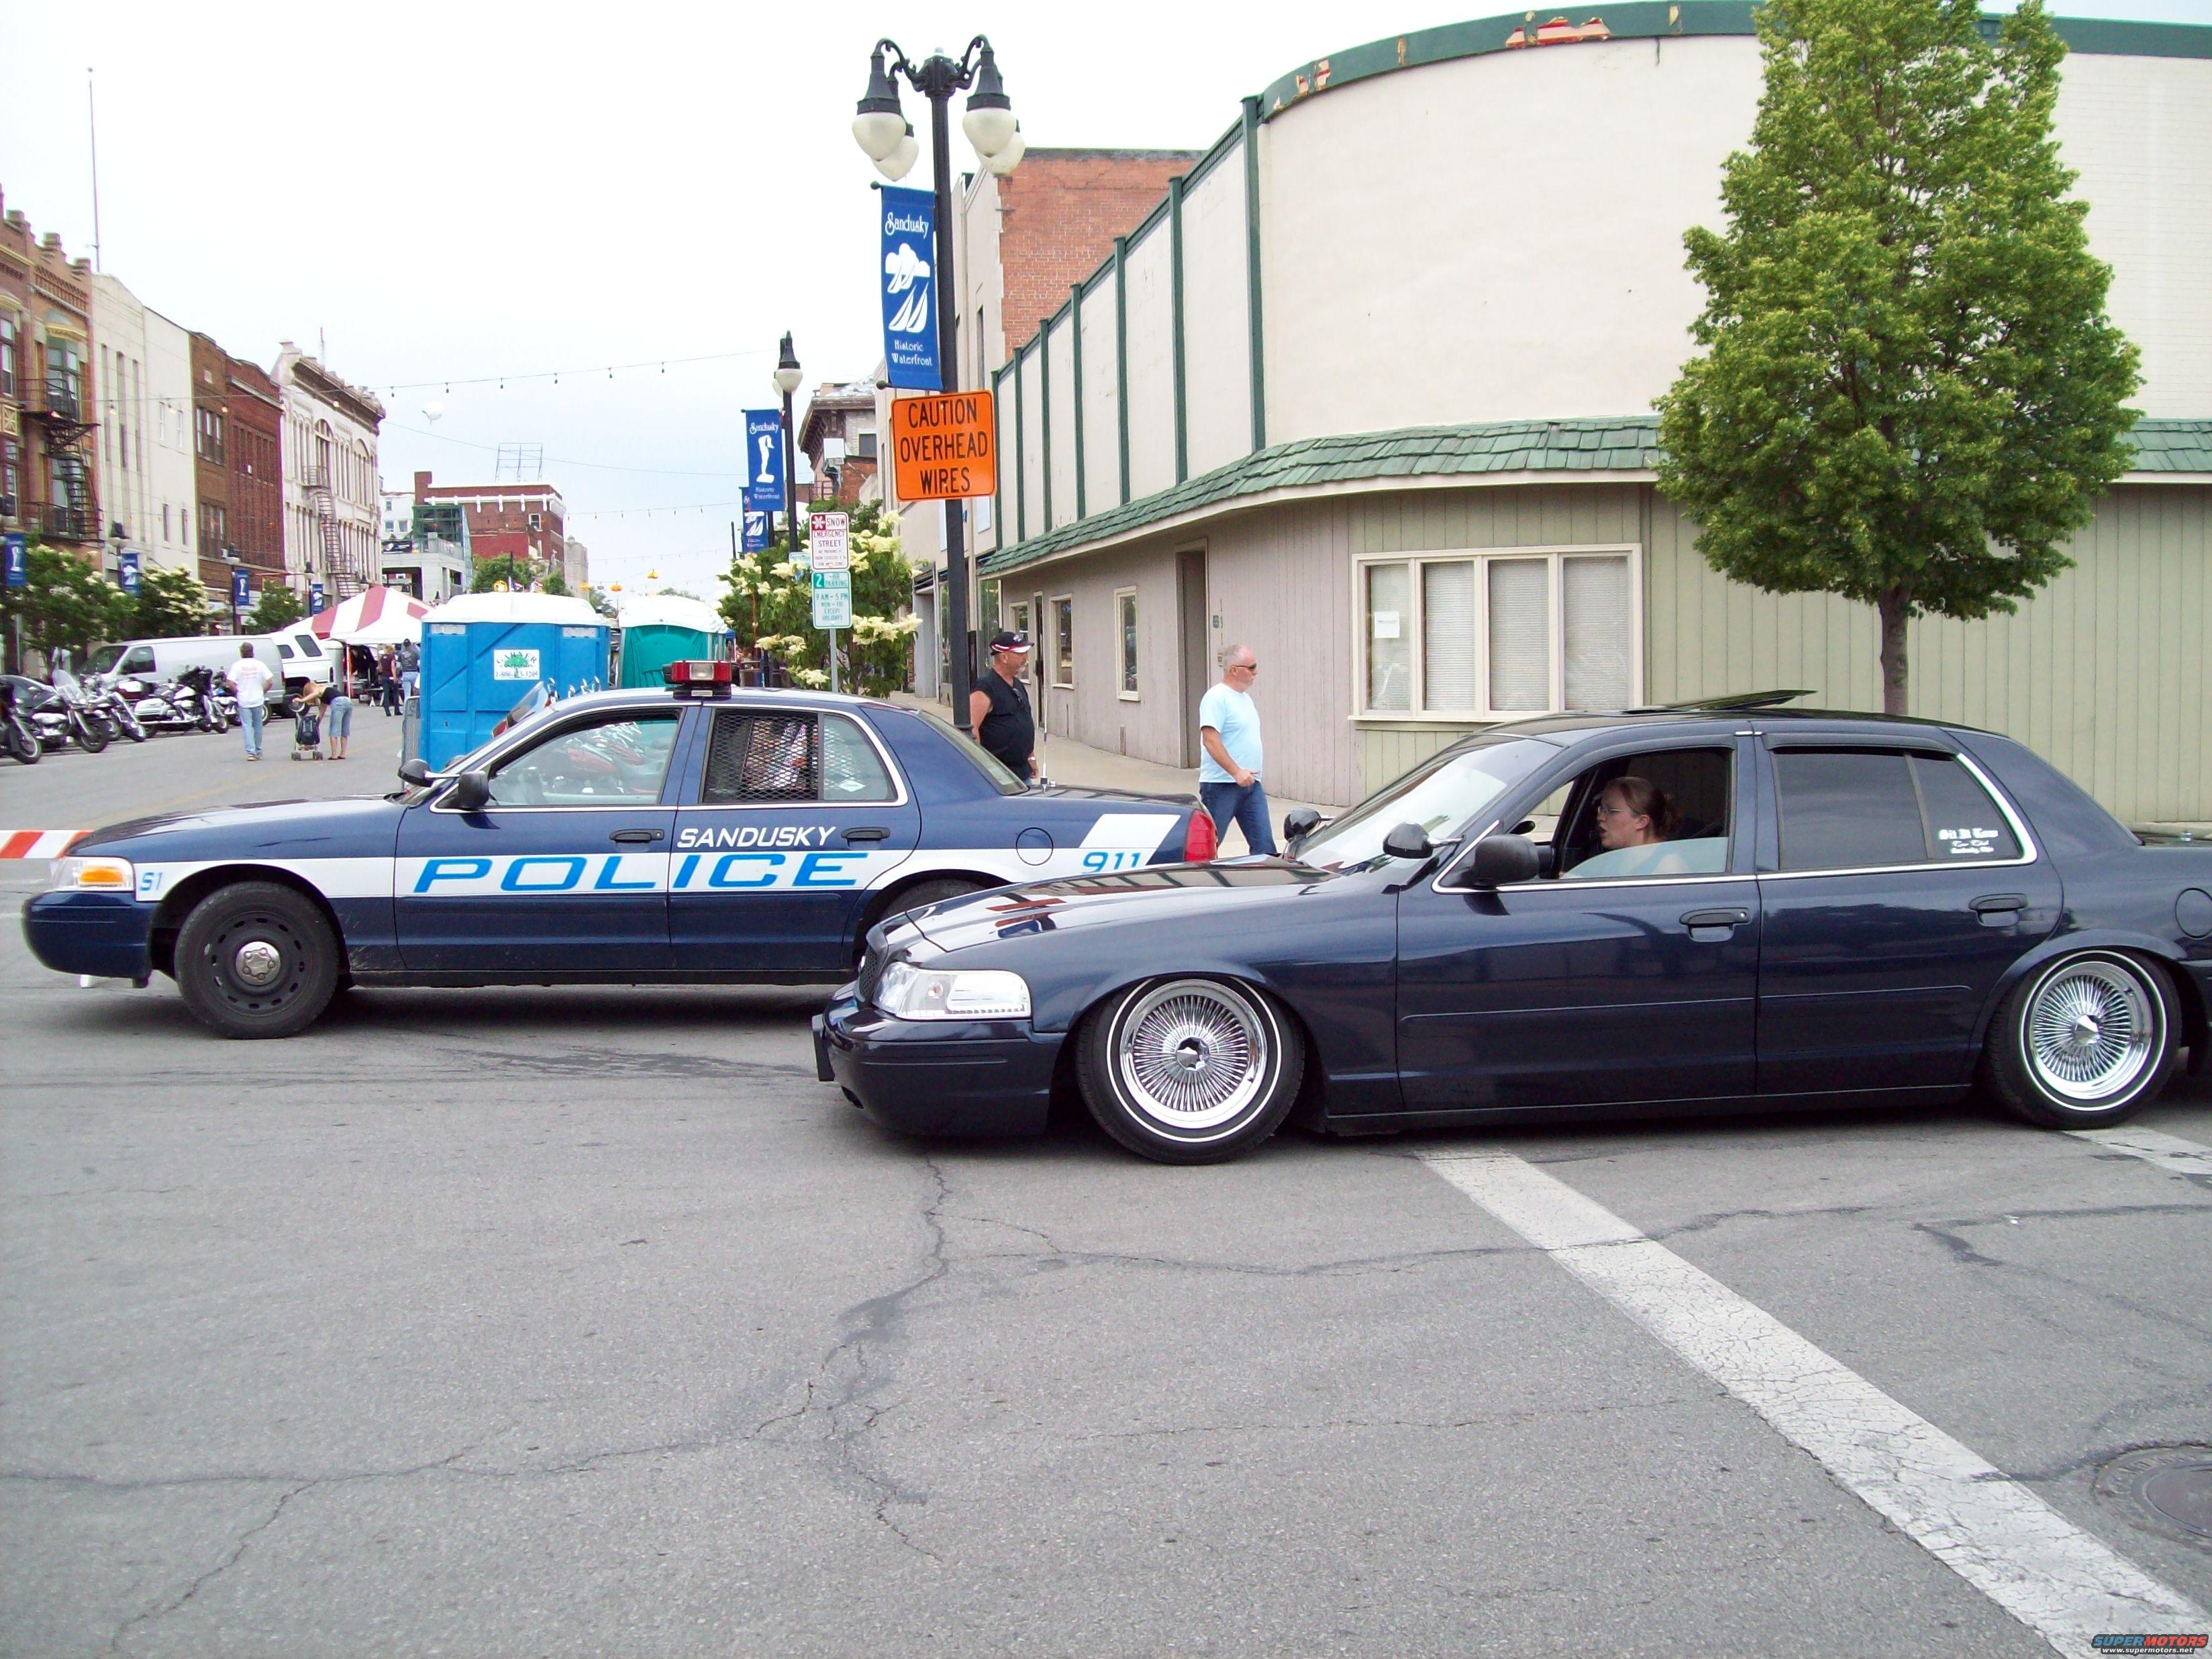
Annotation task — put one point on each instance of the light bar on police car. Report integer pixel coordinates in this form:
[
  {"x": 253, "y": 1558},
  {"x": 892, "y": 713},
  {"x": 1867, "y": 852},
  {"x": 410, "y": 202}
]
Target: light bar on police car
[
  {"x": 696, "y": 675},
  {"x": 910, "y": 992},
  {"x": 93, "y": 875}
]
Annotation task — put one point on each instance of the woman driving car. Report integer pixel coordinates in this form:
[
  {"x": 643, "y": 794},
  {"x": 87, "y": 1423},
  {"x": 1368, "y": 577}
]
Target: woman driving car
[{"x": 1635, "y": 823}]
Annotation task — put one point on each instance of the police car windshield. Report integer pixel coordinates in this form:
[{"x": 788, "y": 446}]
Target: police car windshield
[
  {"x": 1440, "y": 796},
  {"x": 1002, "y": 777}
]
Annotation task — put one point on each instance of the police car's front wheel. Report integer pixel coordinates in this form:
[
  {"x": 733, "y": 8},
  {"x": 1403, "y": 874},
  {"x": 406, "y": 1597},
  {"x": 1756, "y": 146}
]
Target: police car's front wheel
[
  {"x": 1189, "y": 1071},
  {"x": 255, "y": 959}
]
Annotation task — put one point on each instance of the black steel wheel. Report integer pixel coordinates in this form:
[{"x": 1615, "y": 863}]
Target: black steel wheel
[
  {"x": 2083, "y": 1042},
  {"x": 1189, "y": 1071},
  {"x": 257, "y": 959}
]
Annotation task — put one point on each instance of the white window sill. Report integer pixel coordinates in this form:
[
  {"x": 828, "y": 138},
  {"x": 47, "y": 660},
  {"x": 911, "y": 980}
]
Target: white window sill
[
  {"x": 1130, "y": 697},
  {"x": 1374, "y": 718}
]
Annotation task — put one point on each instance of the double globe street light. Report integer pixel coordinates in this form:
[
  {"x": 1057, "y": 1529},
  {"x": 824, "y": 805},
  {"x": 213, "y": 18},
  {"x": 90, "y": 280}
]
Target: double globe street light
[{"x": 882, "y": 131}]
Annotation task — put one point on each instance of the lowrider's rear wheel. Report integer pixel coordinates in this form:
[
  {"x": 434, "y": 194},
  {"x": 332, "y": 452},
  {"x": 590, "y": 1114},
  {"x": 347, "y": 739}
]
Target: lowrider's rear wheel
[
  {"x": 1189, "y": 1071},
  {"x": 2083, "y": 1042},
  {"x": 255, "y": 959}
]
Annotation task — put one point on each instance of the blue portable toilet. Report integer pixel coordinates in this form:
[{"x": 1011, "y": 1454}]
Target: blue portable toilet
[{"x": 485, "y": 655}]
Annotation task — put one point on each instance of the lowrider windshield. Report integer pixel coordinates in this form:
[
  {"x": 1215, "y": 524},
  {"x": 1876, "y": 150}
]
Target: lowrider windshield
[{"x": 1441, "y": 795}]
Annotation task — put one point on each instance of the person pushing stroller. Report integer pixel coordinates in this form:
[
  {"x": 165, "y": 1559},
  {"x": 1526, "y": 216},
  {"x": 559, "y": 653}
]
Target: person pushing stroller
[{"x": 307, "y": 724}]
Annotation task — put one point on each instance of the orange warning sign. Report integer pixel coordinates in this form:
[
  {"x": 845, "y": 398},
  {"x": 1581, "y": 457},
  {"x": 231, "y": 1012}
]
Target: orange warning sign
[{"x": 943, "y": 447}]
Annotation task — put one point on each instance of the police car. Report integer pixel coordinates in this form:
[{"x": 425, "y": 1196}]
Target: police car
[{"x": 695, "y": 833}]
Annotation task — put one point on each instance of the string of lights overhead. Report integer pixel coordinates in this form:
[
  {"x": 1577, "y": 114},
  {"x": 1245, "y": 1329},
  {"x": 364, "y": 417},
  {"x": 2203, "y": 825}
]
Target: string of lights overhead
[{"x": 553, "y": 376}]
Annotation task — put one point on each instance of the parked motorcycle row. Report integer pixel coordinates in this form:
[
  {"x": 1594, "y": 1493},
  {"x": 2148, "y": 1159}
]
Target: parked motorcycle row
[{"x": 36, "y": 715}]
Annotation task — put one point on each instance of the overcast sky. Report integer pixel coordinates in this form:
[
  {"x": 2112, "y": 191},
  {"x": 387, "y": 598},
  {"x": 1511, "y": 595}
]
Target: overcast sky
[{"x": 450, "y": 191}]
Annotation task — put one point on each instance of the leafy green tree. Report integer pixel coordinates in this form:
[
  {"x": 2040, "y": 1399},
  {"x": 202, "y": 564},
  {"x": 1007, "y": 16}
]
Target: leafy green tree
[
  {"x": 769, "y": 603},
  {"x": 277, "y": 607},
  {"x": 171, "y": 603},
  {"x": 490, "y": 573},
  {"x": 66, "y": 605},
  {"x": 1910, "y": 392}
]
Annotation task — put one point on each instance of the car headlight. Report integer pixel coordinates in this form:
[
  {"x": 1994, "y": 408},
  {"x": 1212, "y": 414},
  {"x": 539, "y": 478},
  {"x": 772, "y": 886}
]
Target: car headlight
[
  {"x": 906, "y": 991},
  {"x": 93, "y": 875}
]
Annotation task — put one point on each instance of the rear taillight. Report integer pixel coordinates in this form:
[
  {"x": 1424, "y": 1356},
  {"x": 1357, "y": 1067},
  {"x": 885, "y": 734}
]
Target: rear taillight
[{"x": 1199, "y": 843}]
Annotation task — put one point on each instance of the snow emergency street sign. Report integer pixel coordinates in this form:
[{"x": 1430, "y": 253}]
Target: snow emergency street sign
[
  {"x": 833, "y": 598},
  {"x": 827, "y": 546},
  {"x": 943, "y": 447}
]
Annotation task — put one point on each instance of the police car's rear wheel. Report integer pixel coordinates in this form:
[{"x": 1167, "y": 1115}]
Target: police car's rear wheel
[
  {"x": 256, "y": 960},
  {"x": 1189, "y": 1071},
  {"x": 929, "y": 892}
]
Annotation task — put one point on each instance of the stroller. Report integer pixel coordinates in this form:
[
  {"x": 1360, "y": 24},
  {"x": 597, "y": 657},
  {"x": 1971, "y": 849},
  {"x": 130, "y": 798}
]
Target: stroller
[{"x": 307, "y": 730}]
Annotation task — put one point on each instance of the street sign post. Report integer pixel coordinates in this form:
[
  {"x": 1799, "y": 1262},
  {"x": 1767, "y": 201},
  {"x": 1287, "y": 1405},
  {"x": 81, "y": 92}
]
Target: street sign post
[
  {"x": 945, "y": 447},
  {"x": 828, "y": 549}
]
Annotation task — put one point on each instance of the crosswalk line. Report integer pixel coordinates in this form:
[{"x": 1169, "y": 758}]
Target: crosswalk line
[
  {"x": 2063, "y": 1583},
  {"x": 2169, "y": 1153}
]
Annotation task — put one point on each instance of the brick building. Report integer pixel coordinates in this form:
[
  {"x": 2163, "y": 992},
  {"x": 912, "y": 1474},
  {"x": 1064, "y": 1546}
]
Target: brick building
[
  {"x": 210, "y": 370},
  {"x": 517, "y": 522},
  {"x": 253, "y": 445},
  {"x": 839, "y": 437},
  {"x": 48, "y": 399}
]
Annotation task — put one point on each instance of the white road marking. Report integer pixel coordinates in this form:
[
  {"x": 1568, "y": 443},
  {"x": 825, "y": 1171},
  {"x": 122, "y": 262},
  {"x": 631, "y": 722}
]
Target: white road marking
[
  {"x": 2007, "y": 1543},
  {"x": 2169, "y": 1153}
]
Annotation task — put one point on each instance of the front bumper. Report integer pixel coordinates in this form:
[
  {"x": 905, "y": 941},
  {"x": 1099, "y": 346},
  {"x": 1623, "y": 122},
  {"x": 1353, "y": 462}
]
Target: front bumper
[
  {"x": 103, "y": 934},
  {"x": 935, "y": 1076}
]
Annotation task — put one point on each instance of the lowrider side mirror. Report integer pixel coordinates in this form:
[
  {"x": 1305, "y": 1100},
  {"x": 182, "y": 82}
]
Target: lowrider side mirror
[
  {"x": 471, "y": 793},
  {"x": 1407, "y": 840},
  {"x": 1500, "y": 861},
  {"x": 416, "y": 771},
  {"x": 1297, "y": 825}
]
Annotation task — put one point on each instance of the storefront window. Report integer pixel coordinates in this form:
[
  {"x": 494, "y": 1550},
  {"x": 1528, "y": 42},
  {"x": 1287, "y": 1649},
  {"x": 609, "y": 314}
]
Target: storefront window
[
  {"x": 1475, "y": 636},
  {"x": 1063, "y": 641},
  {"x": 1125, "y": 620}
]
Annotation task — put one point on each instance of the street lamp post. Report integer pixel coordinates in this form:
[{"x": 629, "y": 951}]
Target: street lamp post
[
  {"x": 788, "y": 377},
  {"x": 881, "y": 130}
]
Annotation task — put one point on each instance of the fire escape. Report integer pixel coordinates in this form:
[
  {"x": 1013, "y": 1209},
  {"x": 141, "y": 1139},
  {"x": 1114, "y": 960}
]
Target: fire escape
[
  {"x": 343, "y": 575},
  {"x": 68, "y": 517}
]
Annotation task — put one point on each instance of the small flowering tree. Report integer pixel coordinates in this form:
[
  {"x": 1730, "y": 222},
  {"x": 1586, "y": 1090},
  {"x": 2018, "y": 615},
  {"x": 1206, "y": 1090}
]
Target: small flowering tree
[{"x": 769, "y": 601}]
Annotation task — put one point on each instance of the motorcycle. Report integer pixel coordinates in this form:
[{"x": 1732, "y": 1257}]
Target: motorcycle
[
  {"x": 221, "y": 696},
  {"x": 119, "y": 710},
  {"x": 17, "y": 735},
  {"x": 163, "y": 708},
  {"x": 86, "y": 722}
]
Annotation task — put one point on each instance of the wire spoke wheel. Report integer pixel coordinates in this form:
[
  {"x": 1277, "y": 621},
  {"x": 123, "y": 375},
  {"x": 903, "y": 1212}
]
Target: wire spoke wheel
[
  {"x": 1192, "y": 1055},
  {"x": 2091, "y": 1030}
]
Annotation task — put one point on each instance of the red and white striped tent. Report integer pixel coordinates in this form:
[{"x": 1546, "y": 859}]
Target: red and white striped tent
[{"x": 375, "y": 616}]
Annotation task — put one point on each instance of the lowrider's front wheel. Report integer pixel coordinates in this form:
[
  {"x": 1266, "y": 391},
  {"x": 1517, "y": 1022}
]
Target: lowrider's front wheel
[
  {"x": 1190, "y": 1071},
  {"x": 257, "y": 959}
]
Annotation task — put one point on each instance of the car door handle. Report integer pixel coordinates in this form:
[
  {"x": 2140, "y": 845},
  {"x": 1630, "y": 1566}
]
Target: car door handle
[
  {"x": 1996, "y": 910},
  {"x": 637, "y": 837},
  {"x": 1715, "y": 918},
  {"x": 868, "y": 832}
]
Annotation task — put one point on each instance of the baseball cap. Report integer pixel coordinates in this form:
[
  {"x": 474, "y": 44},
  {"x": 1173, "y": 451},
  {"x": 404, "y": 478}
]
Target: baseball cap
[{"x": 1006, "y": 640}]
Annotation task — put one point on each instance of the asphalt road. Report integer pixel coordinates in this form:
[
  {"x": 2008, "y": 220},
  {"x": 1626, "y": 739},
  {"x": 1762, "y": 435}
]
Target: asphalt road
[{"x": 583, "y": 1323}]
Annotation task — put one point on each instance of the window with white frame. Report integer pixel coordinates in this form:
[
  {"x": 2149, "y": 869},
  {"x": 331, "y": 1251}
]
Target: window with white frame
[
  {"x": 1062, "y": 644},
  {"x": 1498, "y": 633},
  {"x": 1125, "y": 639}
]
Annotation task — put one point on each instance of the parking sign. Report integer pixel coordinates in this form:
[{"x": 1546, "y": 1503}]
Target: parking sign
[{"x": 833, "y": 598}]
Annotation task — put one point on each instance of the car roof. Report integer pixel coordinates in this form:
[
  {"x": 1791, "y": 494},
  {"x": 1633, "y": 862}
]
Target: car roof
[
  {"x": 1693, "y": 719},
  {"x": 741, "y": 697}
]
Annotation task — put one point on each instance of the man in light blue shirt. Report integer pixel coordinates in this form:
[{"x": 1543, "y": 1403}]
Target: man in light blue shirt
[{"x": 1229, "y": 771}]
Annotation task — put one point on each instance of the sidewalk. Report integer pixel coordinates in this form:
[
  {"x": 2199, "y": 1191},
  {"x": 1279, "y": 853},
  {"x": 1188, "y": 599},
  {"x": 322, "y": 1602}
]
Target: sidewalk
[{"x": 1082, "y": 766}]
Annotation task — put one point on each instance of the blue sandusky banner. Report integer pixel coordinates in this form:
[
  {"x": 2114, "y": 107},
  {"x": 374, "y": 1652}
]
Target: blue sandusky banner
[
  {"x": 129, "y": 561},
  {"x": 756, "y": 531},
  {"x": 910, "y": 290},
  {"x": 764, "y": 459}
]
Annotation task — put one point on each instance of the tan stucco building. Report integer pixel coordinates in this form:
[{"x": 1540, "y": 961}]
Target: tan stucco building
[{"x": 1371, "y": 390}]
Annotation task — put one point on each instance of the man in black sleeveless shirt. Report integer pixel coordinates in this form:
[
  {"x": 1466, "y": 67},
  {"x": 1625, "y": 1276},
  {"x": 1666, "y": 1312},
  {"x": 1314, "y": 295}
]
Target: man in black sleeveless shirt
[{"x": 998, "y": 706}]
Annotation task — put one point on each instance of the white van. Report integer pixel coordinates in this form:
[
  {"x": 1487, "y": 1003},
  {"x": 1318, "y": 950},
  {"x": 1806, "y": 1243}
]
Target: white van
[{"x": 293, "y": 653}]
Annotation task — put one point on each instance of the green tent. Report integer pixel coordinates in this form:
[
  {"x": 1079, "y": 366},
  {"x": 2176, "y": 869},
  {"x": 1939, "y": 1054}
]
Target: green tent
[{"x": 659, "y": 629}]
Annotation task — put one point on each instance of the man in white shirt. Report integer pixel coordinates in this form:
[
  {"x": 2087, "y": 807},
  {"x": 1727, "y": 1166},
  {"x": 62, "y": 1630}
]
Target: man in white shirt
[
  {"x": 250, "y": 678},
  {"x": 1229, "y": 771}
]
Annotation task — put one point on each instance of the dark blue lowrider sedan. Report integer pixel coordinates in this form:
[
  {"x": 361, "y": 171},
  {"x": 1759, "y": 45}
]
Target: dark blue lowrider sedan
[{"x": 1721, "y": 908}]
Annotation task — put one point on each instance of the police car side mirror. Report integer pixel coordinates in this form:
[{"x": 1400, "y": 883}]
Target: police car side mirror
[
  {"x": 1297, "y": 825},
  {"x": 1500, "y": 861},
  {"x": 416, "y": 771},
  {"x": 471, "y": 792},
  {"x": 1407, "y": 840}
]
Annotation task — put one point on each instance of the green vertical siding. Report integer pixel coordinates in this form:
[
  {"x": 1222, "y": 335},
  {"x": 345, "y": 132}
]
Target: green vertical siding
[{"x": 2102, "y": 673}]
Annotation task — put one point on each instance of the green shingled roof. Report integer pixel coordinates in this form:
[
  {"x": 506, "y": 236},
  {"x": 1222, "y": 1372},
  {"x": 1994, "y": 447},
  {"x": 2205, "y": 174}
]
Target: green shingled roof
[{"x": 1626, "y": 445}]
